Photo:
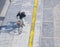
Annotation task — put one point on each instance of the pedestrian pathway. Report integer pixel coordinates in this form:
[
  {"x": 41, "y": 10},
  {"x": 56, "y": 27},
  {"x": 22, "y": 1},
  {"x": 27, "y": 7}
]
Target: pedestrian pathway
[{"x": 9, "y": 37}]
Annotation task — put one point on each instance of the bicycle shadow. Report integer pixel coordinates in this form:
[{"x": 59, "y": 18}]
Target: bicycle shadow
[{"x": 9, "y": 27}]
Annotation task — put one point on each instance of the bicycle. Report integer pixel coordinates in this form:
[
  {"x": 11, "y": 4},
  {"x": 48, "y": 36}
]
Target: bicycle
[{"x": 20, "y": 26}]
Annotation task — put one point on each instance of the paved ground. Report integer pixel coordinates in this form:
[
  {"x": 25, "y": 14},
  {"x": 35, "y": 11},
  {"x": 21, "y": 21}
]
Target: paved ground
[
  {"x": 46, "y": 34},
  {"x": 50, "y": 27},
  {"x": 13, "y": 40}
]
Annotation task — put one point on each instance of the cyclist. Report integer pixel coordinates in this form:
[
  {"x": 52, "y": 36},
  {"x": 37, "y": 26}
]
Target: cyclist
[{"x": 20, "y": 16}]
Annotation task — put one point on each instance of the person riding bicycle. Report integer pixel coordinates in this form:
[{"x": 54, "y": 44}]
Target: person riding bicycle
[{"x": 20, "y": 16}]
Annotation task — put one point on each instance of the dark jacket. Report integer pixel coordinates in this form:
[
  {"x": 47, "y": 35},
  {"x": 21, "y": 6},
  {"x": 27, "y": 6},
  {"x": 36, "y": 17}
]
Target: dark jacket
[
  {"x": 22, "y": 15},
  {"x": 18, "y": 14}
]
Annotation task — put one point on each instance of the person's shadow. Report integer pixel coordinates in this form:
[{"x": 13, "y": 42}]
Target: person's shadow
[{"x": 9, "y": 27}]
